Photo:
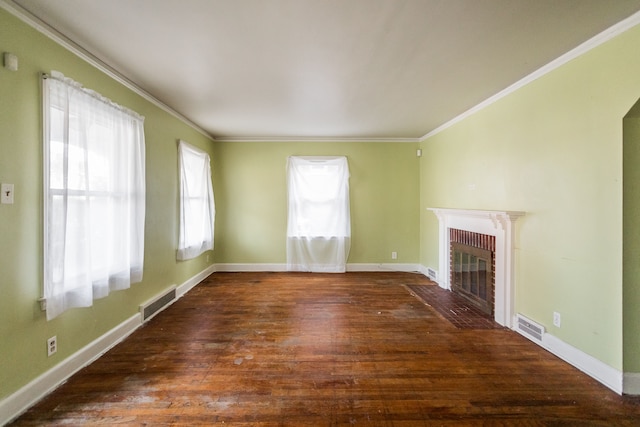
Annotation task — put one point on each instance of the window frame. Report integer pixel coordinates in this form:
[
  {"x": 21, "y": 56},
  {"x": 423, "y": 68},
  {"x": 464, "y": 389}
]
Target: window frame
[
  {"x": 189, "y": 247},
  {"x": 68, "y": 283}
]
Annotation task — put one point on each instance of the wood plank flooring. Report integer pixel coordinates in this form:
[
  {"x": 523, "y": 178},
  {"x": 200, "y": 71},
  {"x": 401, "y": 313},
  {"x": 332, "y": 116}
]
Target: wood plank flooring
[
  {"x": 456, "y": 309},
  {"x": 289, "y": 349}
]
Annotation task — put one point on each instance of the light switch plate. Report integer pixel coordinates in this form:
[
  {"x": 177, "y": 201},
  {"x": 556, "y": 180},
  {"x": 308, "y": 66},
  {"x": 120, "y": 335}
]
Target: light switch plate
[{"x": 6, "y": 196}]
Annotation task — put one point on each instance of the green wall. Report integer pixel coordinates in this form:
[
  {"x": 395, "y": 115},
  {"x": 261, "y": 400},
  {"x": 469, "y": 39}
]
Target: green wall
[
  {"x": 23, "y": 327},
  {"x": 251, "y": 204},
  {"x": 631, "y": 242},
  {"x": 554, "y": 150},
  {"x": 249, "y": 185}
]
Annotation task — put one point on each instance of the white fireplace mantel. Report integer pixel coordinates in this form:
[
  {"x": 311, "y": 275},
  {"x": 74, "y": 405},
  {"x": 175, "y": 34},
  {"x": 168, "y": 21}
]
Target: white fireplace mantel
[{"x": 500, "y": 224}]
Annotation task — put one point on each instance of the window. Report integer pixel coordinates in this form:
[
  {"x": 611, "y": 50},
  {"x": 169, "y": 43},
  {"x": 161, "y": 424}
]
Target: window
[
  {"x": 318, "y": 228},
  {"x": 197, "y": 206},
  {"x": 94, "y": 195}
]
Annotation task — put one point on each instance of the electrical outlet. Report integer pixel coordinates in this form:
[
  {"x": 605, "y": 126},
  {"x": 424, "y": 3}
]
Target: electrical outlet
[
  {"x": 52, "y": 346},
  {"x": 557, "y": 320},
  {"x": 394, "y": 255}
]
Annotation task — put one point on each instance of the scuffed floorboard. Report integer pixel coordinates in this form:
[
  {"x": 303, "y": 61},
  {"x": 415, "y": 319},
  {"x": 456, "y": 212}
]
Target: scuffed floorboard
[{"x": 289, "y": 349}]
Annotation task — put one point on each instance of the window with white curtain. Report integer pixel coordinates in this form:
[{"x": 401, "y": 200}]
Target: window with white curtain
[
  {"x": 197, "y": 206},
  {"x": 94, "y": 195},
  {"x": 319, "y": 225}
]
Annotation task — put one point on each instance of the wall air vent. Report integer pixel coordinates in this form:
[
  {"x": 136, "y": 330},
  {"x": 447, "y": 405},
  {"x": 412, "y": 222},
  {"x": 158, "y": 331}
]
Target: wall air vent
[
  {"x": 157, "y": 304},
  {"x": 529, "y": 328},
  {"x": 432, "y": 274}
]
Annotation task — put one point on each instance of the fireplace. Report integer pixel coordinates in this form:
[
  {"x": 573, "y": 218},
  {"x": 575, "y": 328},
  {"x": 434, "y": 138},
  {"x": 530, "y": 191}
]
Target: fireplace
[
  {"x": 472, "y": 265},
  {"x": 499, "y": 225}
]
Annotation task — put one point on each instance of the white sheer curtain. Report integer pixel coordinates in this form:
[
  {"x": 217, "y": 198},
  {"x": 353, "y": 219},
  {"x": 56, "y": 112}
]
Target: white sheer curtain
[
  {"x": 197, "y": 207},
  {"x": 319, "y": 226},
  {"x": 94, "y": 190}
]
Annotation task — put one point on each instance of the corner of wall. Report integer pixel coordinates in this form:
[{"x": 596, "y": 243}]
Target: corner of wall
[
  {"x": 631, "y": 383},
  {"x": 596, "y": 369}
]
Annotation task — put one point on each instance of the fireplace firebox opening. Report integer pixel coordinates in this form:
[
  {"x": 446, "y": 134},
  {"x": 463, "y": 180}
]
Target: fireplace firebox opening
[{"x": 472, "y": 268}]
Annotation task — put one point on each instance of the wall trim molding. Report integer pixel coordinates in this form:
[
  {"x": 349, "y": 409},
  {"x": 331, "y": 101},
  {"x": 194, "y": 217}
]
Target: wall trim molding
[
  {"x": 596, "y": 369},
  {"x": 388, "y": 267},
  {"x": 592, "y": 43},
  {"x": 267, "y": 267},
  {"x": 631, "y": 383},
  {"x": 250, "y": 267},
  {"x": 193, "y": 281},
  {"x": 17, "y": 403},
  {"x": 606, "y": 375},
  {"x": 316, "y": 139},
  {"x": 50, "y": 32},
  {"x": 39, "y": 25}
]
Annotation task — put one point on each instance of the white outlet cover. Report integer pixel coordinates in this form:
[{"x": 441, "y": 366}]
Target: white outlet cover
[
  {"x": 52, "y": 345},
  {"x": 557, "y": 320}
]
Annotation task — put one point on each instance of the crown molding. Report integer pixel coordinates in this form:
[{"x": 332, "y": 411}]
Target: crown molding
[
  {"x": 313, "y": 139},
  {"x": 53, "y": 34},
  {"x": 73, "y": 47},
  {"x": 595, "y": 41},
  {"x": 59, "y": 38}
]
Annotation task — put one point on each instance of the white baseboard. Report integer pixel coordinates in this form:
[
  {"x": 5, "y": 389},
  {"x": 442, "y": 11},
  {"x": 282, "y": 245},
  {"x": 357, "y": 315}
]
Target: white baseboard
[
  {"x": 600, "y": 371},
  {"x": 237, "y": 268},
  {"x": 422, "y": 269},
  {"x": 404, "y": 268},
  {"x": 350, "y": 267},
  {"x": 192, "y": 282},
  {"x": 18, "y": 402},
  {"x": 631, "y": 382},
  {"x": 15, "y": 404}
]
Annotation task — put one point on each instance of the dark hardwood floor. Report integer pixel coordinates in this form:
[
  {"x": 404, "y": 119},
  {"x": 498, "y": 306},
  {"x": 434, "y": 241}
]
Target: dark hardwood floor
[{"x": 287, "y": 349}]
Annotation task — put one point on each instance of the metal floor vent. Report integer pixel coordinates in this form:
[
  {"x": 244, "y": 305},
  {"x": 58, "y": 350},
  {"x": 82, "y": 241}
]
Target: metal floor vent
[
  {"x": 431, "y": 274},
  {"x": 530, "y": 329},
  {"x": 155, "y": 305}
]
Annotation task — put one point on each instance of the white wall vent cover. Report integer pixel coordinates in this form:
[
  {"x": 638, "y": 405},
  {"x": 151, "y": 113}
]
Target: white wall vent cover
[
  {"x": 432, "y": 274},
  {"x": 529, "y": 328}
]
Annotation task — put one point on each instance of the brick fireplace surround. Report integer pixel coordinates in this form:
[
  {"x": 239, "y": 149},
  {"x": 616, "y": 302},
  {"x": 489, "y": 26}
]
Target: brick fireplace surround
[
  {"x": 499, "y": 224},
  {"x": 473, "y": 282}
]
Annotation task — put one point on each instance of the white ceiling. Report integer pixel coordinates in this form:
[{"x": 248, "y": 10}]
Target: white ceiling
[{"x": 326, "y": 69}]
